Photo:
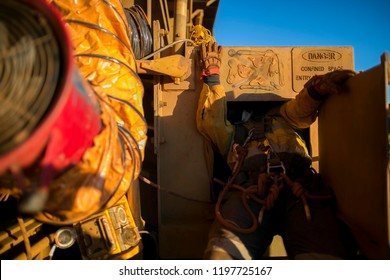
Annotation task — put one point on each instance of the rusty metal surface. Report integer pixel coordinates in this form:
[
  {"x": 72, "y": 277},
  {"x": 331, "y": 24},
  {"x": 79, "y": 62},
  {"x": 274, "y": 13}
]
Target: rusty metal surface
[
  {"x": 275, "y": 73},
  {"x": 12, "y": 235},
  {"x": 182, "y": 173},
  {"x": 354, "y": 158},
  {"x": 174, "y": 66}
]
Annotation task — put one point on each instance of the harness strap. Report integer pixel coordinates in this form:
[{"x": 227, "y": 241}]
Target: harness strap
[{"x": 259, "y": 193}]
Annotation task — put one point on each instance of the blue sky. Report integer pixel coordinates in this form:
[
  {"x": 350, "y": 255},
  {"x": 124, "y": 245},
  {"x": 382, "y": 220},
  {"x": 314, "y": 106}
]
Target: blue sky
[{"x": 361, "y": 24}]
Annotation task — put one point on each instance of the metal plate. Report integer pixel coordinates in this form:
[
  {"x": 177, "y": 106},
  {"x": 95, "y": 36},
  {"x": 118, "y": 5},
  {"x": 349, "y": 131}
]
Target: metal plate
[
  {"x": 354, "y": 158},
  {"x": 184, "y": 187},
  {"x": 277, "y": 73}
]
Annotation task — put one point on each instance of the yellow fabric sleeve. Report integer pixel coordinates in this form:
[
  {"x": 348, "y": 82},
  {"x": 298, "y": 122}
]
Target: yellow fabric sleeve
[
  {"x": 302, "y": 111},
  {"x": 211, "y": 117}
]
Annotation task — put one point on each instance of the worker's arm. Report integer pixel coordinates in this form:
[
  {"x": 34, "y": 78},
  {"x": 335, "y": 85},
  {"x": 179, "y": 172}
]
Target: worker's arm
[
  {"x": 211, "y": 115},
  {"x": 302, "y": 111}
]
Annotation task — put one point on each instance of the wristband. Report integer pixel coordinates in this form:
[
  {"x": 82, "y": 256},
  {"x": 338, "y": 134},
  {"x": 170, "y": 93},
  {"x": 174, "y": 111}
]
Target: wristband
[{"x": 210, "y": 71}]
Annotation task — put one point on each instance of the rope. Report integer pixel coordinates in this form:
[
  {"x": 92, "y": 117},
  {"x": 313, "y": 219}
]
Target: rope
[
  {"x": 242, "y": 152},
  {"x": 125, "y": 135},
  {"x": 252, "y": 192},
  {"x": 301, "y": 193},
  {"x": 257, "y": 192},
  {"x": 200, "y": 34}
]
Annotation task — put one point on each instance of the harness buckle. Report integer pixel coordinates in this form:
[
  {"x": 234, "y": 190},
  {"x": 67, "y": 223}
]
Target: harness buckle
[{"x": 274, "y": 164}]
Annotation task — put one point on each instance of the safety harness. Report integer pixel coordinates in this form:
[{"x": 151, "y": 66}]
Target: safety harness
[{"x": 269, "y": 182}]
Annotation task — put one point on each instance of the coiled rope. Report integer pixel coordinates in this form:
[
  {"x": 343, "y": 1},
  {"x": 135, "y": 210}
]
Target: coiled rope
[
  {"x": 261, "y": 195},
  {"x": 200, "y": 34}
]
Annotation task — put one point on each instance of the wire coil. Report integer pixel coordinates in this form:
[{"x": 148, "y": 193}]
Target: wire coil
[{"x": 140, "y": 31}]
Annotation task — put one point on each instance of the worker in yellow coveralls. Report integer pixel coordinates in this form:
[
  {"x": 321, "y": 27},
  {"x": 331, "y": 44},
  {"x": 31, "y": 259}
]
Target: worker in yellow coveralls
[{"x": 272, "y": 188}]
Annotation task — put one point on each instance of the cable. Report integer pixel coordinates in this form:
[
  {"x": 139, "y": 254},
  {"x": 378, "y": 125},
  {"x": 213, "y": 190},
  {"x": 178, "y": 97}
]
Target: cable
[
  {"x": 134, "y": 35},
  {"x": 166, "y": 47},
  {"x": 108, "y": 58},
  {"x": 124, "y": 166},
  {"x": 51, "y": 252},
  {"x": 158, "y": 187},
  {"x": 124, "y": 138},
  {"x": 97, "y": 27},
  {"x": 127, "y": 103},
  {"x": 127, "y": 141},
  {"x": 141, "y": 37},
  {"x": 126, "y": 133},
  {"x": 118, "y": 14},
  {"x": 131, "y": 106},
  {"x": 146, "y": 33}
]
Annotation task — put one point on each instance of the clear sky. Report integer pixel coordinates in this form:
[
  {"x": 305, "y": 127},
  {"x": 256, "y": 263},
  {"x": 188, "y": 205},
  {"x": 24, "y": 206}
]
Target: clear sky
[{"x": 361, "y": 24}]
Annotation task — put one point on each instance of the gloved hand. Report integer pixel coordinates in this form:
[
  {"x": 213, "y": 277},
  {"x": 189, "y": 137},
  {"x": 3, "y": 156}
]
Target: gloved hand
[
  {"x": 329, "y": 83},
  {"x": 210, "y": 58}
]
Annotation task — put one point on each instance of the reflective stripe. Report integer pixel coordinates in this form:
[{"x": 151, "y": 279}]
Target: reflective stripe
[{"x": 230, "y": 246}]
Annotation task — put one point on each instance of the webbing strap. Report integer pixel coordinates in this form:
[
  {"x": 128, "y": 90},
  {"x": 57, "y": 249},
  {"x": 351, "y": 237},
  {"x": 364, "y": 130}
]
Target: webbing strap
[{"x": 259, "y": 129}]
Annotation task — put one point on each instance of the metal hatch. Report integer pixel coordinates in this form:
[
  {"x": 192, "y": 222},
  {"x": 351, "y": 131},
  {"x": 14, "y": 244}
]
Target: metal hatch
[{"x": 354, "y": 157}]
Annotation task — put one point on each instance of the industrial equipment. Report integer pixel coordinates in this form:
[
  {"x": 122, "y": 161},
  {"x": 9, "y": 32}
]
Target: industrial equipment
[{"x": 100, "y": 157}]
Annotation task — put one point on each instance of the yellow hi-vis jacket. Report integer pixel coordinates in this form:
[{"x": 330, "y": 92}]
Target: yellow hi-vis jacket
[{"x": 295, "y": 114}]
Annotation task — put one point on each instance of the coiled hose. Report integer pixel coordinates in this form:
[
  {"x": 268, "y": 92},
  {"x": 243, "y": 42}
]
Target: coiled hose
[{"x": 102, "y": 50}]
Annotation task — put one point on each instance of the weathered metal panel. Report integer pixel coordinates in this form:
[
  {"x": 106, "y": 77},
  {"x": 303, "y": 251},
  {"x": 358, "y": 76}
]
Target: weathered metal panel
[
  {"x": 182, "y": 171},
  {"x": 354, "y": 157},
  {"x": 184, "y": 211},
  {"x": 275, "y": 73},
  {"x": 353, "y": 153}
]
